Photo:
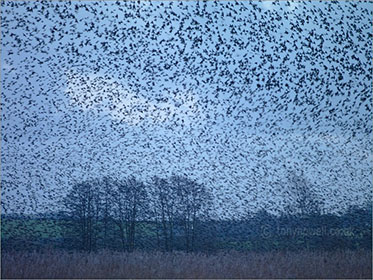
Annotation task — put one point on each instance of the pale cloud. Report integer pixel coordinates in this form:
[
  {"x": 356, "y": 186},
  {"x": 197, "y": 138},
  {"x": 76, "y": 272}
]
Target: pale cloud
[
  {"x": 293, "y": 5},
  {"x": 109, "y": 96},
  {"x": 268, "y": 4}
]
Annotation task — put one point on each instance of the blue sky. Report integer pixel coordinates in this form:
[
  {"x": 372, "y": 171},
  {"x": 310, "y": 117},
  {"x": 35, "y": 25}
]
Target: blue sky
[{"x": 231, "y": 94}]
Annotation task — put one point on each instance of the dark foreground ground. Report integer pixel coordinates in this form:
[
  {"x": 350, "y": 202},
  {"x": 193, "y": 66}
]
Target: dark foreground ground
[{"x": 108, "y": 264}]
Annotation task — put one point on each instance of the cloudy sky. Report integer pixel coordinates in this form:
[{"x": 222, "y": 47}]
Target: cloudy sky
[{"x": 234, "y": 94}]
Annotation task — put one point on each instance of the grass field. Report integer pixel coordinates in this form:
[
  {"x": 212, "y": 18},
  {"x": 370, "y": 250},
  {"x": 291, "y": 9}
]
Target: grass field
[
  {"x": 108, "y": 264},
  {"x": 19, "y": 228}
]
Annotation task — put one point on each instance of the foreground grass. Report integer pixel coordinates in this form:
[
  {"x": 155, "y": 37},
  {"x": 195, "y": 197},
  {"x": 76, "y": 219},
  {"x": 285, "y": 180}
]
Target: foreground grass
[{"x": 108, "y": 264}]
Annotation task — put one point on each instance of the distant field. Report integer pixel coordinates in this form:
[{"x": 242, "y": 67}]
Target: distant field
[
  {"x": 35, "y": 228},
  {"x": 108, "y": 264},
  {"x": 36, "y": 233}
]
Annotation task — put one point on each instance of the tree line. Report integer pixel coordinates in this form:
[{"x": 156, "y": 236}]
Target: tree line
[
  {"x": 176, "y": 213},
  {"x": 101, "y": 212}
]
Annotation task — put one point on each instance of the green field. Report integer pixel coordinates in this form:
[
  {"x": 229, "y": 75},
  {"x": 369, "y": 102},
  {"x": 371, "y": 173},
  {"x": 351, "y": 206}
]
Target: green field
[
  {"x": 35, "y": 233},
  {"x": 21, "y": 228}
]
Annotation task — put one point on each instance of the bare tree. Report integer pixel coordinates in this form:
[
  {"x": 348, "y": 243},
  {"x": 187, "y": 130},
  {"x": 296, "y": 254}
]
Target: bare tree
[
  {"x": 106, "y": 194},
  {"x": 164, "y": 211},
  {"x": 178, "y": 204},
  {"x": 83, "y": 206},
  {"x": 129, "y": 204},
  {"x": 193, "y": 202}
]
